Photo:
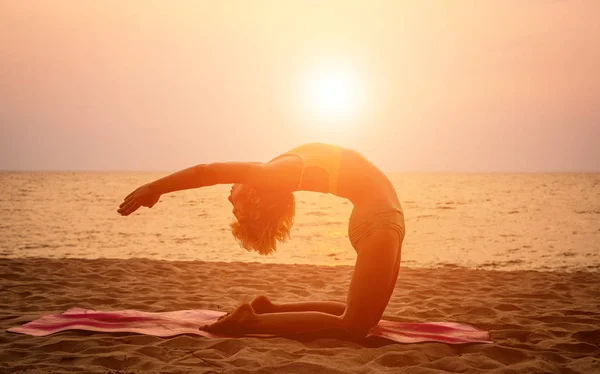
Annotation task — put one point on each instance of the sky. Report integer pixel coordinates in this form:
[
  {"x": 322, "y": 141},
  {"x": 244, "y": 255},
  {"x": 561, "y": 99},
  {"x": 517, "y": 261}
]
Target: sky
[{"x": 416, "y": 86}]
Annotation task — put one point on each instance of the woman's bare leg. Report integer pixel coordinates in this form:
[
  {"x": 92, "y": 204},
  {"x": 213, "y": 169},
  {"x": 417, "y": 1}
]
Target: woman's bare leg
[
  {"x": 244, "y": 320},
  {"x": 262, "y": 305},
  {"x": 371, "y": 287},
  {"x": 373, "y": 281}
]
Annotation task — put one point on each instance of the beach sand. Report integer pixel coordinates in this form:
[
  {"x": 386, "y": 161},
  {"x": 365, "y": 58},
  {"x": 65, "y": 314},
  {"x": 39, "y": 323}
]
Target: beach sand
[{"x": 541, "y": 322}]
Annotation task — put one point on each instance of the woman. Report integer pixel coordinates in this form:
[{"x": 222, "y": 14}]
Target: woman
[{"x": 264, "y": 207}]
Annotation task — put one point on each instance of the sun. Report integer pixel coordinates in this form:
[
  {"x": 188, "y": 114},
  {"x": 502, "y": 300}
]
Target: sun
[{"x": 333, "y": 92}]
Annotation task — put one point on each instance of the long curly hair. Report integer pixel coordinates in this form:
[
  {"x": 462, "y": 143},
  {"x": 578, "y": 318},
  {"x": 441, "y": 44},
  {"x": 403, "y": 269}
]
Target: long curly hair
[{"x": 263, "y": 219}]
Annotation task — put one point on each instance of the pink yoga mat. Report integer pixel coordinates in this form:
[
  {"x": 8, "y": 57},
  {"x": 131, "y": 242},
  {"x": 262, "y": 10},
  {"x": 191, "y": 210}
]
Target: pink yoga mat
[{"x": 188, "y": 321}]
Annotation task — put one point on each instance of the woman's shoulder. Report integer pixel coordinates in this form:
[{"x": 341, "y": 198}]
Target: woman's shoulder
[{"x": 282, "y": 172}]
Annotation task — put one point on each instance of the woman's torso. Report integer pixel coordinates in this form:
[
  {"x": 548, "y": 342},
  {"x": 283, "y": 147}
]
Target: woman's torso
[{"x": 343, "y": 172}]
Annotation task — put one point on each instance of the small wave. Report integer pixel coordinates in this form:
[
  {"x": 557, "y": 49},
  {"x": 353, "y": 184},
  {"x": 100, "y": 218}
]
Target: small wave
[
  {"x": 316, "y": 213},
  {"x": 36, "y": 246},
  {"x": 426, "y": 216},
  {"x": 590, "y": 211},
  {"x": 500, "y": 264},
  {"x": 567, "y": 254}
]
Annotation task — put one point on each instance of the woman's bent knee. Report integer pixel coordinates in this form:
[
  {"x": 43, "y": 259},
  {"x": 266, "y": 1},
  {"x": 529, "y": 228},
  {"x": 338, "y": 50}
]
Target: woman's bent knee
[{"x": 357, "y": 328}]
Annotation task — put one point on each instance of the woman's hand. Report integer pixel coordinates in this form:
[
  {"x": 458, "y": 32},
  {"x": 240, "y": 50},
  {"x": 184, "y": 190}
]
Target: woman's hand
[{"x": 142, "y": 196}]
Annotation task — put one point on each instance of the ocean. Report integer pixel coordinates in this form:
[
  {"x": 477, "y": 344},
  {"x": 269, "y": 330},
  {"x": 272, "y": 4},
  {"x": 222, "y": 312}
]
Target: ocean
[{"x": 483, "y": 221}]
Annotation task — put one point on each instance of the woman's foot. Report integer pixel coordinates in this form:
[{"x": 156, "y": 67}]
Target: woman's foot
[
  {"x": 238, "y": 322},
  {"x": 262, "y": 305}
]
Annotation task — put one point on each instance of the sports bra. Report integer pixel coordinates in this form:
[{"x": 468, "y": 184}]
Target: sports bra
[{"x": 320, "y": 164}]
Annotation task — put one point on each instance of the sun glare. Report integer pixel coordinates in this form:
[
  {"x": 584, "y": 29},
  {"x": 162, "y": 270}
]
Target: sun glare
[{"x": 333, "y": 92}]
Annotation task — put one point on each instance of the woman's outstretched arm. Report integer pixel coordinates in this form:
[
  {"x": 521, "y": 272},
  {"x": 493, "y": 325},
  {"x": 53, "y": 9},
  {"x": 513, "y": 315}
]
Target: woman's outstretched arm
[
  {"x": 202, "y": 175},
  {"x": 205, "y": 175},
  {"x": 282, "y": 173}
]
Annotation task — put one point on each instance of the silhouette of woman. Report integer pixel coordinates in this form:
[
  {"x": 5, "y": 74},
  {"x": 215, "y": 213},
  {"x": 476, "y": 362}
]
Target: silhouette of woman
[{"x": 264, "y": 208}]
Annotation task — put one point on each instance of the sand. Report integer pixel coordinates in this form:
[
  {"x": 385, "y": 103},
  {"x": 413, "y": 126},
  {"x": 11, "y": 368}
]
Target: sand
[{"x": 539, "y": 321}]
